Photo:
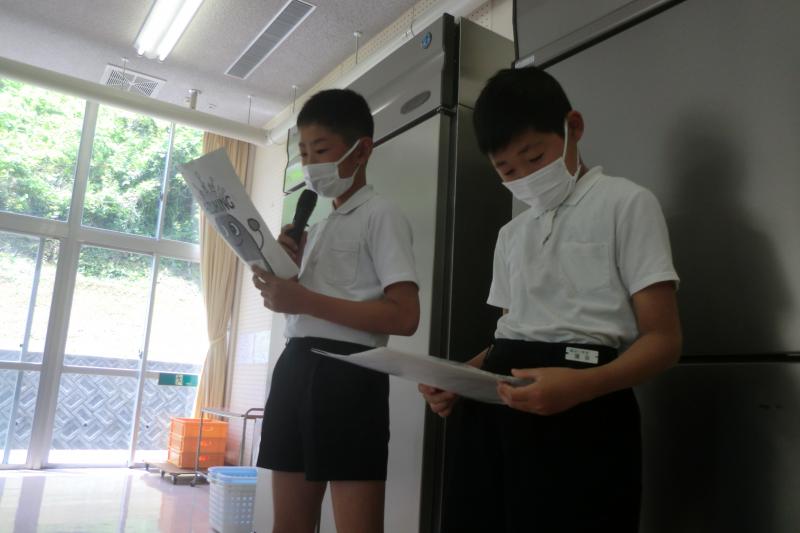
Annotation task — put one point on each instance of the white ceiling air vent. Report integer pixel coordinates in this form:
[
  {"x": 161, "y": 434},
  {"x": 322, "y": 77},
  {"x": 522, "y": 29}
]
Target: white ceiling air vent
[
  {"x": 284, "y": 23},
  {"x": 131, "y": 81}
]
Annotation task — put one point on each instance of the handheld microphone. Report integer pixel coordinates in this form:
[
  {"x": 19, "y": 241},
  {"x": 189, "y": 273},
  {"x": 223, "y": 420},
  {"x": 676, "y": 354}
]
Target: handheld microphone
[{"x": 305, "y": 206}]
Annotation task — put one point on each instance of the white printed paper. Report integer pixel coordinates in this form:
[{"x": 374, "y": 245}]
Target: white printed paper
[
  {"x": 221, "y": 195},
  {"x": 460, "y": 378}
]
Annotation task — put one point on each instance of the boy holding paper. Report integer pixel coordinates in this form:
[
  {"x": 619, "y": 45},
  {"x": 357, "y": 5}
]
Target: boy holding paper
[
  {"x": 587, "y": 287},
  {"x": 326, "y": 421}
]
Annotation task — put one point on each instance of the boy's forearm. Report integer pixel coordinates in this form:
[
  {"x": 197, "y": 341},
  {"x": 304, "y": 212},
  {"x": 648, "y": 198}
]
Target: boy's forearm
[
  {"x": 657, "y": 348},
  {"x": 382, "y": 316},
  {"x": 477, "y": 361},
  {"x": 651, "y": 354}
]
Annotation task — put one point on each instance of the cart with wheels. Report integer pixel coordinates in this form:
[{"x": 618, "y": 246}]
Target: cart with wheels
[
  {"x": 254, "y": 413},
  {"x": 169, "y": 469}
]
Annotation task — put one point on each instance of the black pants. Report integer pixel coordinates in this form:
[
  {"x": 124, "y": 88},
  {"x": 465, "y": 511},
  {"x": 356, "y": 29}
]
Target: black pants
[
  {"x": 573, "y": 472},
  {"x": 326, "y": 418}
]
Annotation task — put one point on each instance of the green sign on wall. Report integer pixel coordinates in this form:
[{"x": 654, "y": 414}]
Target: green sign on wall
[{"x": 179, "y": 380}]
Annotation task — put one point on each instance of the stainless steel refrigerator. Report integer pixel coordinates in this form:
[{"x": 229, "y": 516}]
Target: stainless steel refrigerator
[
  {"x": 426, "y": 160},
  {"x": 698, "y": 101}
]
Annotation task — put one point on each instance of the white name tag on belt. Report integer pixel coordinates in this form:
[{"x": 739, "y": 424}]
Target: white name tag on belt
[{"x": 581, "y": 355}]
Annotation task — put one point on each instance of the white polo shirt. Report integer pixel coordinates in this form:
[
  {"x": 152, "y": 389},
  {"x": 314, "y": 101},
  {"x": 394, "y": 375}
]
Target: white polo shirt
[
  {"x": 568, "y": 275},
  {"x": 360, "y": 249}
]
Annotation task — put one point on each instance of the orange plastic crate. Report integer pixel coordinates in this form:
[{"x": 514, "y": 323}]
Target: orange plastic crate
[
  {"x": 189, "y": 444},
  {"x": 185, "y": 459},
  {"x": 190, "y": 427}
]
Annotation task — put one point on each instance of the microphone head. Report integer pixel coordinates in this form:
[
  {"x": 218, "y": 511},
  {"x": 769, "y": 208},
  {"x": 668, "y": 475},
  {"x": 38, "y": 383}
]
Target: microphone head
[
  {"x": 305, "y": 206},
  {"x": 307, "y": 200}
]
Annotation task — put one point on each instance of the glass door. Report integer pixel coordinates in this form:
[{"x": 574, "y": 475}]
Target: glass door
[
  {"x": 27, "y": 274},
  {"x": 176, "y": 346},
  {"x": 102, "y": 359}
]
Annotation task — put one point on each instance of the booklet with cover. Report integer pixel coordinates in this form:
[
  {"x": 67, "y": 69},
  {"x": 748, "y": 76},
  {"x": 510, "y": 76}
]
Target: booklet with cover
[
  {"x": 221, "y": 195},
  {"x": 461, "y": 378}
]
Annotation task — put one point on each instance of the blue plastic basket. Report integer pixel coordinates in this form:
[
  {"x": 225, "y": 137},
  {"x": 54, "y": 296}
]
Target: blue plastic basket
[
  {"x": 233, "y": 474},
  {"x": 232, "y": 497}
]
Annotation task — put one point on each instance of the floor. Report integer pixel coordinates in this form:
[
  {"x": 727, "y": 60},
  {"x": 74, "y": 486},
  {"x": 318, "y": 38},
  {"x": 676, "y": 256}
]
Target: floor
[
  {"x": 85, "y": 458},
  {"x": 103, "y": 500}
]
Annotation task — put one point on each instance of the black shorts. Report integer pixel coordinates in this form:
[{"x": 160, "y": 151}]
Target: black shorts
[
  {"x": 508, "y": 471},
  {"x": 324, "y": 417}
]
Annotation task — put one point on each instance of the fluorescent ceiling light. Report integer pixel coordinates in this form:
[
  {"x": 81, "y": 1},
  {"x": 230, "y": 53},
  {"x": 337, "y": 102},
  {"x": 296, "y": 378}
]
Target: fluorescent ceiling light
[{"x": 164, "y": 25}]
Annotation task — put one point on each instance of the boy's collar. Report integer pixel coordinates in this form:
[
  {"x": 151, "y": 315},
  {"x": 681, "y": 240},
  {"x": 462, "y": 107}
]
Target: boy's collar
[
  {"x": 361, "y": 196},
  {"x": 583, "y": 185}
]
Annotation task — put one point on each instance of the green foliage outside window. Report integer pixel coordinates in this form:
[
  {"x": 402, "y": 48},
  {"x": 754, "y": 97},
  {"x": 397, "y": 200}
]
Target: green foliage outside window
[
  {"x": 128, "y": 157},
  {"x": 181, "y": 216},
  {"x": 39, "y": 138},
  {"x": 39, "y": 141}
]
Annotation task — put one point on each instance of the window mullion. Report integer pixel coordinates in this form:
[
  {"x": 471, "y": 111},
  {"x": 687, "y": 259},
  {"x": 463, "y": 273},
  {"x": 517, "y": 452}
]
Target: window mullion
[
  {"x": 66, "y": 272},
  {"x": 37, "y": 275},
  {"x": 137, "y": 411},
  {"x": 162, "y": 207},
  {"x": 82, "y": 167},
  {"x": 139, "y": 244}
]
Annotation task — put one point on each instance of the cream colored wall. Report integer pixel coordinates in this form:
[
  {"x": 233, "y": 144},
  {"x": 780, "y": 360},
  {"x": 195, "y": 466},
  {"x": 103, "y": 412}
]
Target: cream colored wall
[{"x": 249, "y": 368}]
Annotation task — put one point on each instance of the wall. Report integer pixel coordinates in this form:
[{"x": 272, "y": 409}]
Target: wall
[{"x": 254, "y": 323}]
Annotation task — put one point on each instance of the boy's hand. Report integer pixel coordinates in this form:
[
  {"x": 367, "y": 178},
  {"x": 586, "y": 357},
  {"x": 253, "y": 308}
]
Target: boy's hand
[
  {"x": 294, "y": 250},
  {"x": 553, "y": 390},
  {"x": 280, "y": 295},
  {"x": 441, "y": 402}
]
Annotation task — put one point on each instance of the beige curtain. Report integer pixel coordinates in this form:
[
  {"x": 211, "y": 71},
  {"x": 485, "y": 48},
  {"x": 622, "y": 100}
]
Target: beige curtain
[{"x": 218, "y": 266}]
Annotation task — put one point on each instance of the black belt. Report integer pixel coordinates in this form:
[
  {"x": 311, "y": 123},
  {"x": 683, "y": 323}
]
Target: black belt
[
  {"x": 507, "y": 353},
  {"x": 329, "y": 345}
]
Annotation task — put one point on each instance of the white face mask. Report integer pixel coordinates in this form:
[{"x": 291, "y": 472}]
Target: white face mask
[
  {"x": 324, "y": 179},
  {"x": 549, "y": 186}
]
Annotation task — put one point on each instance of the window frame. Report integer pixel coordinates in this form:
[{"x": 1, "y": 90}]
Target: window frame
[{"x": 72, "y": 236}]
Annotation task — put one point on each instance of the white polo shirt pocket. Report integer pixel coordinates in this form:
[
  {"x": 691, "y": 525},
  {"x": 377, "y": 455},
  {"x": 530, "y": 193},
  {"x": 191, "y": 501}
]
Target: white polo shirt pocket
[
  {"x": 586, "y": 265},
  {"x": 341, "y": 263}
]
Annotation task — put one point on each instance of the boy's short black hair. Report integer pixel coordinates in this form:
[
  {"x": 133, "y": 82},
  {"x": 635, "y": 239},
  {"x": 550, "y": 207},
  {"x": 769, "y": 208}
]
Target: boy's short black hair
[
  {"x": 342, "y": 111},
  {"x": 515, "y": 100}
]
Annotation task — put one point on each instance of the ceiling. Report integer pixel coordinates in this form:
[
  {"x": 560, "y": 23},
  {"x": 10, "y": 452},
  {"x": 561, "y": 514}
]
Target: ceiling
[{"x": 80, "y": 37}]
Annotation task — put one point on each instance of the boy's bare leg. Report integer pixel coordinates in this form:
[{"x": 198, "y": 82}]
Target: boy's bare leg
[
  {"x": 358, "y": 505},
  {"x": 296, "y": 502}
]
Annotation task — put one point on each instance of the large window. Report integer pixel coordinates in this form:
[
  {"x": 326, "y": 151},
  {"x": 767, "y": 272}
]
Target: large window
[
  {"x": 39, "y": 136},
  {"x": 27, "y": 277},
  {"x": 178, "y": 309},
  {"x": 181, "y": 215},
  {"x": 109, "y": 308},
  {"x": 129, "y": 155},
  {"x": 27, "y": 274},
  {"x": 99, "y": 279}
]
